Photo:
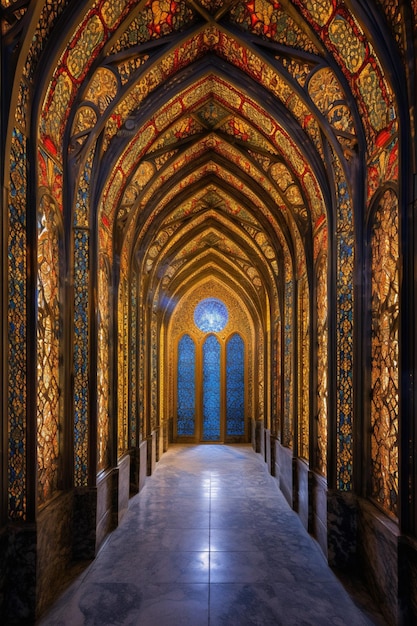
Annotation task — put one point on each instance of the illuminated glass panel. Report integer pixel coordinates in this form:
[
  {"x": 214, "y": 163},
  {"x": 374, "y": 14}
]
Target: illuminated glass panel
[
  {"x": 51, "y": 11},
  {"x": 211, "y": 389},
  {"x": 81, "y": 378},
  {"x": 186, "y": 387},
  {"x": 156, "y": 19},
  {"x": 288, "y": 428},
  {"x": 123, "y": 371},
  {"x": 235, "y": 387},
  {"x": 154, "y": 372},
  {"x": 48, "y": 331},
  {"x": 211, "y": 315},
  {"x": 276, "y": 377},
  {"x": 304, "y": 371},
  {"x": 17, "y": 327},
  {"x": 103, "y": 357},
  {"x": 322, "y": 366},
  {"x": 345, "y": 260},
  {"x": 141, "y": 367},
  {"x": 81, "y": 324},
  {"x": 384, "y": 371},
  {"x": 269, "y": 20},
  {"x": 133, "y": 363}
]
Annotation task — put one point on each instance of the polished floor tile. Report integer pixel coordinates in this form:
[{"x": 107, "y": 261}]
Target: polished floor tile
[{"x": 209, "y": 541}]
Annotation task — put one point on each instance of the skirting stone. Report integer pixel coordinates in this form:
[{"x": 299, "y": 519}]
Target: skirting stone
[
  {"x": 285, "y": 472},
  {"x": 54, "y": 548},
  {"x": 123, "y": 487},
  {"x": 378, "y": 557},
  {"x": 105, "y": 521},
  {"x": 85, "y": 515},
  {"x": 20, "y": 583},
  {"x": 407, "y": 583},
  {"x": 318, "y": 510},
  {"x": 301, "y": 490},
  {"x": 143, "y": 463},
  {"x": 267, "y": 448},
  {"x": 342, "y": 529}
]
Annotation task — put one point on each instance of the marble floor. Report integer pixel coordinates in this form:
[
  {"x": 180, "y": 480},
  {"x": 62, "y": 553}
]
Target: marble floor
[{"x": 211, "y": 541}]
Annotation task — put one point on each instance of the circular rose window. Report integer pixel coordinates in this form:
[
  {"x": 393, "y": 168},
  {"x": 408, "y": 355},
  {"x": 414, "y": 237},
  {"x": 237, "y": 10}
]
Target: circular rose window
[{"x": 211, "y": 315}]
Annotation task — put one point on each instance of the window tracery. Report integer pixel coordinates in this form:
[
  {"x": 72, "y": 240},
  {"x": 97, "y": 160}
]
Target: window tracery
[
  {"x": 211, "y": 315},
  {"x": 385, "y": 354},
  {"x": 122, "y": 366},
  {"x": 211, "y": 389},
  {"x": 17, "y": 336},
  {"x": 81, "y": 355},
  {"x": 103, "y": 366},
  {"x": 186, "y": 387},
  {"x": 303, "y": 370},
  {"x": 344, "y": 336},
  {"x": 49, "y": 351},
  {"x": 322, "y": 366},
  {"x": 235, "y": 387},
  {"x": 288, "y": 417},
  {"x": 133, "y": 343}
]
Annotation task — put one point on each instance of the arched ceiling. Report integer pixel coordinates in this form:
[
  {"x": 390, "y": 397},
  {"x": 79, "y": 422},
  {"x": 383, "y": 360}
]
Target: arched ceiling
[{"x": 203, "y": 133}]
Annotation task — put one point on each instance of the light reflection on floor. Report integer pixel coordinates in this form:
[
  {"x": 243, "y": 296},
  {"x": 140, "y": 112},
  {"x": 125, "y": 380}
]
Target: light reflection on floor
[{"x": 210, "y": 540}]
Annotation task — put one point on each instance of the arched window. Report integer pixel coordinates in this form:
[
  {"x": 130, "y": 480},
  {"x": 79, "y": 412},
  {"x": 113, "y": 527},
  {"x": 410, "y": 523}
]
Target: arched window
[
  {"x": 211, "y": 378},
  {"x": 186, "y": 387},
  {"x": 211, "y": 389},
  {"x": 211, "y": 315},
  {"x": 235, "y": 386}
]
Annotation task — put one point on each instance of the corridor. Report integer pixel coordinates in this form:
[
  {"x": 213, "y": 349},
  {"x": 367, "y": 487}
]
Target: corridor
[{"x": 210, "y": 540}]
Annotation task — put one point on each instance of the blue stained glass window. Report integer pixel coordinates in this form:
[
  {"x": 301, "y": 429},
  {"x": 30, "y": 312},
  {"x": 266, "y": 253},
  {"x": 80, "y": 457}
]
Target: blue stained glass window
[
  {"x": 211, "y": 315},
  {"x": 186, "y": 387},
  {"x": 235, "y": 387},
  {"x": 211, "y": 389}
]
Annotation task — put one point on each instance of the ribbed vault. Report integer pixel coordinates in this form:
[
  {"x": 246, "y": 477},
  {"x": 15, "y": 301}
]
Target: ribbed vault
[
  {"x": 225, "y": 139},
  {"x": 182, "y": 142}
]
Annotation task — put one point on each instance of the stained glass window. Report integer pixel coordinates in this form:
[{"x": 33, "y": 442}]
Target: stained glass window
[
  {"x": 17, "y": 327},
  {"x": 81, "y": 355},
  {"x": 186, "y": 387},
  {"x": 154, "y": 371},
  {"x": 303, "y": 377},
  {"x": 211, "y": 389},
  {"x": 288, "y": 427},
  {"x": 211, "y": 315},
  {"x": 48, "y": 413},
  {"x": 133, "y": 364},
  {"x": 384, "y": 371},
  {"x": 122, "y": 357},
  {"x": 344, "y": 332},
  {"x": 103, "y": 356},
  {"x": 322, "y": 366},
  {"x": 235, "y": 387}
]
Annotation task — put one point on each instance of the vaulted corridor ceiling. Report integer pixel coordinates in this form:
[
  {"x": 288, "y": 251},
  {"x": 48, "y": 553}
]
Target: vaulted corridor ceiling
[
  {"x": 215, "y": 124},
  {"x": 157, "y": 152},
  {"x": 177, "y": 141},
  {"x": 220, "y": 138}
]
